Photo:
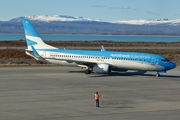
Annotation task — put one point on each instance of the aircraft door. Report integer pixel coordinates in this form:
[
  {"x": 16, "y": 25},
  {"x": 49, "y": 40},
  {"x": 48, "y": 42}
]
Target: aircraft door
[
  {"x": 44, "y": 54},
  {"x": 154, "y": 61}
]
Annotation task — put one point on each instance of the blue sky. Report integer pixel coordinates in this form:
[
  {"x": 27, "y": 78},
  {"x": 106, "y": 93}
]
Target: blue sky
[{"x": 107, "y": 10}]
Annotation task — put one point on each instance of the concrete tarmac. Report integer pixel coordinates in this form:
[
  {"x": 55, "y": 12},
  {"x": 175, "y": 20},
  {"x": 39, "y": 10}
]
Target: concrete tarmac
[{"x": 65, "y": 93}]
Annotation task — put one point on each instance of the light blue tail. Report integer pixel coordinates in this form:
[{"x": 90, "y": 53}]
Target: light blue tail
[{"x": 33, "y": 38}]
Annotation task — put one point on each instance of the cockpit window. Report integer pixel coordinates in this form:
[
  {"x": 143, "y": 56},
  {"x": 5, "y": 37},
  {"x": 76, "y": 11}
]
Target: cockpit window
[{"x": 164, "y": 60}]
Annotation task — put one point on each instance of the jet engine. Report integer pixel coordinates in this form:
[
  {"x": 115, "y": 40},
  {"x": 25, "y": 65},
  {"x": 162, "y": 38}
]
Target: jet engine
[{"x": 102, "y": 68}]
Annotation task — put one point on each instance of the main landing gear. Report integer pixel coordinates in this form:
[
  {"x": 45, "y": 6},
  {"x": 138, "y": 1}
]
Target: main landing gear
[{"x": 88, "y": 71}]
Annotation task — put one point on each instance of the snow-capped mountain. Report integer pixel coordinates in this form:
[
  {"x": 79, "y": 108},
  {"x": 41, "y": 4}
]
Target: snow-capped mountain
[
  {"x": 65, "y": 18},
  {"x": 47, "y": 18},
  {"x": 150, "y": 22},
  {"x": 62, "y": 24}
]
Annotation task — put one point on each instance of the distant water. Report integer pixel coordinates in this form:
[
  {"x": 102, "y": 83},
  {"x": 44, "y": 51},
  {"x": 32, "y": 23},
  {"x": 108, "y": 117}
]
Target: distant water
[{"x": 119, "y": 38}]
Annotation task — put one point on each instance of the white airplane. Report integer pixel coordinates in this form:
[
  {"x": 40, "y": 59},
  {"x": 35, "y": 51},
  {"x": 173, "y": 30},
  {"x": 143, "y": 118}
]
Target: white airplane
[{"x": 102, "y": 62}]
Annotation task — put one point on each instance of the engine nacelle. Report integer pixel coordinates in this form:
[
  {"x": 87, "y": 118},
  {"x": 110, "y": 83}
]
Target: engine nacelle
[{"x": 102, "y": 68}]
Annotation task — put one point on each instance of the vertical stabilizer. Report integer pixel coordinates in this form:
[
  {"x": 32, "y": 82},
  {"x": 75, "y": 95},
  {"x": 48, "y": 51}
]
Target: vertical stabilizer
[{"x": 33, "y": 38}]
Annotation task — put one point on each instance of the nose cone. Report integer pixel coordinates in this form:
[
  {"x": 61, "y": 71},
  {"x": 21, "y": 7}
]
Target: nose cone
[
  {"x": 169, "y": 66},
  {"x": 172, "y": 65}
]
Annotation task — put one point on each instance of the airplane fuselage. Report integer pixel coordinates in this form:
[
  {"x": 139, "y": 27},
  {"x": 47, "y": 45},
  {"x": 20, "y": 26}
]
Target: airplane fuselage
[{"x": 118, "y": 60}]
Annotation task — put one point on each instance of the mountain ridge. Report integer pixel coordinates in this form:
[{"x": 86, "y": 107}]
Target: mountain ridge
[
  {"x": 65, "y": 18},
  {"x": 63, "y": 24}
]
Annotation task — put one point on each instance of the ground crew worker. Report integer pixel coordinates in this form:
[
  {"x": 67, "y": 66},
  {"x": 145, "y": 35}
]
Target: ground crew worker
[{"x": 96, "y": 97}]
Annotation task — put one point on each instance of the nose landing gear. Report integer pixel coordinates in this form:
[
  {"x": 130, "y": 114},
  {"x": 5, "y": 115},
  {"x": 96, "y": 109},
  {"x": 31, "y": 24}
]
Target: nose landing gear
[{"x": 157, "y": 75}]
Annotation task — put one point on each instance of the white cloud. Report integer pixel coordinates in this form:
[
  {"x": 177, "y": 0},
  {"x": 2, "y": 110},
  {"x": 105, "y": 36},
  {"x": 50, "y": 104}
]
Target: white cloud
[{"x": 152, "y": 13}]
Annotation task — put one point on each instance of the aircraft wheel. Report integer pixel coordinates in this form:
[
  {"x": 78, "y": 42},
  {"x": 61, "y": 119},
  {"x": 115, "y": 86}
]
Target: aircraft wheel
[
  {"x": 88, "y": 72},
  {"x": 157, "y": 75}
]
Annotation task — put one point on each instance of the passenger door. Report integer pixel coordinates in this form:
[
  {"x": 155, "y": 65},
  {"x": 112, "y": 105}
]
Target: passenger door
[
  {"x": 44, "y": 54},
  {"x": 154, "y": 61}
]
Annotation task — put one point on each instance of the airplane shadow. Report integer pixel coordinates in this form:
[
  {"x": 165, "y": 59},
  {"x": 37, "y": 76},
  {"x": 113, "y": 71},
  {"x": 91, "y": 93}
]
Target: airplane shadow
[
  {"x": 118, "y": 107},
  {"x": 81, "y": 71},
  {"x": 126, "y": 74},
  {"x": 135, "y": 74}
]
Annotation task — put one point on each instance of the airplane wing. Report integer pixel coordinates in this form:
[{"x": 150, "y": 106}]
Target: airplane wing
[{"x": 79, "y": 62}]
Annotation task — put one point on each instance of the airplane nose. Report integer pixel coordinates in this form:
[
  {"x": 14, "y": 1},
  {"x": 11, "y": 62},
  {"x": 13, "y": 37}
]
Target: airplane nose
[{"x": 172, "y": 65}]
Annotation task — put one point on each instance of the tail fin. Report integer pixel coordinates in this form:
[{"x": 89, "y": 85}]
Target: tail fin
[{"x": 33, "y": 38}]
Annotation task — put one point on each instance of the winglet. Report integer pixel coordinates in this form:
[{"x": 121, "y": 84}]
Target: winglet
[{"x": 103, "y": 48}]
